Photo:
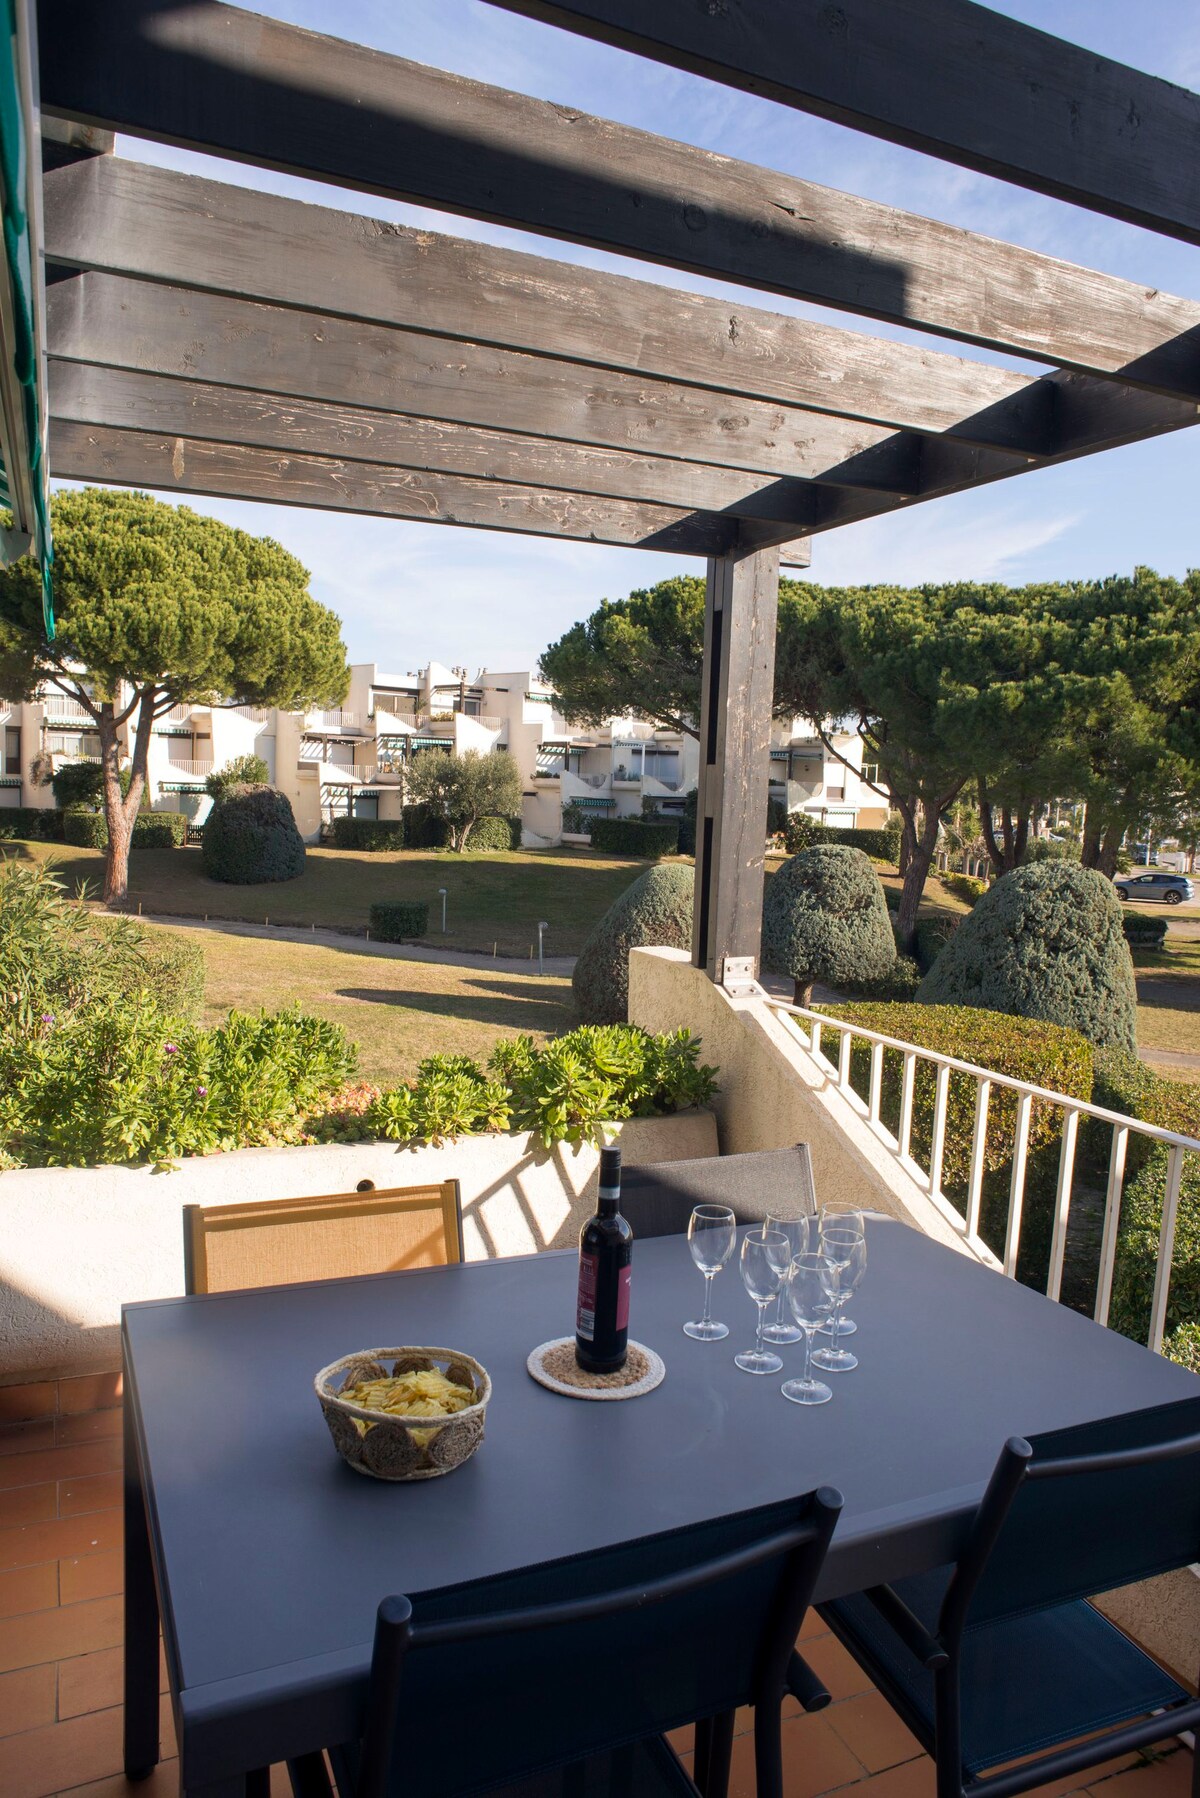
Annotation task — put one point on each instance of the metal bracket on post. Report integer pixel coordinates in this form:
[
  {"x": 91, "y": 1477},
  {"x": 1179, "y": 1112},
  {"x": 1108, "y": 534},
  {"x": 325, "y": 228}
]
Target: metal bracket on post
[{"x": 739, "y": 978}]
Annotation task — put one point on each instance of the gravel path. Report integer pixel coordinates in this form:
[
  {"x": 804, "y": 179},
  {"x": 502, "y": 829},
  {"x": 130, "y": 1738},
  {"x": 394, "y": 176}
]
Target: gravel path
[{"x": 353, "y": 944}]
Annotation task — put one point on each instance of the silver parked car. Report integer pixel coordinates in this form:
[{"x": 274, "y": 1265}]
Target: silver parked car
[{"x": 1155, "y": 883}]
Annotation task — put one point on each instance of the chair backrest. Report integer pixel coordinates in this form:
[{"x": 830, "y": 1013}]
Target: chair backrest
[
  {"x": 558, "y": 1662},
  {"x": 283, "y": 1241},
  {"x": 658, "y": 1197},
  {"x": 1079, "y": 1511}
]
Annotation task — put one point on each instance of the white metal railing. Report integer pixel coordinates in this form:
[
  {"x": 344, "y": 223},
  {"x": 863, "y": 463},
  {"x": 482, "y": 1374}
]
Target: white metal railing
[
  {"x": 257, "y": 714},
  {"x": 178, "y": 714},
  {"x": 809, "y": 1029},
  {"x": 57, "y": 708},
  {"x": 181, "y": 765},
  {"x": 333, "y": 720}
]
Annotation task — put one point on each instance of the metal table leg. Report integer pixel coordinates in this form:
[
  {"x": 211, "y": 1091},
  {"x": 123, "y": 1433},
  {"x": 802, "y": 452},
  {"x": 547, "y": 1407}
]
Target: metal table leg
[{"x": 141, "y": 1620}]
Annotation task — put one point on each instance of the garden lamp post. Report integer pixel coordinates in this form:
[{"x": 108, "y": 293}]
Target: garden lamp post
[
  {"x": 442, "y": 893},
  {"x": 543, "y": 927}
]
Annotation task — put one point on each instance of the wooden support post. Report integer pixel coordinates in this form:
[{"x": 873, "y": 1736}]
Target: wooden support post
[{"x": 735, "y": 739}]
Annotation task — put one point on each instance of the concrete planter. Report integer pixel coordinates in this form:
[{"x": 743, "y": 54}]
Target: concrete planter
[{"x": 78, "y": 1243}]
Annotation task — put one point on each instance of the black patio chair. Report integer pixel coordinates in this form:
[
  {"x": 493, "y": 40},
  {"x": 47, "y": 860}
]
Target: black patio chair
[
  {"x": 567, "y": 1676},
  {"x": 657, "y": 1197},
  {"x": 1001, "y": 1656}
]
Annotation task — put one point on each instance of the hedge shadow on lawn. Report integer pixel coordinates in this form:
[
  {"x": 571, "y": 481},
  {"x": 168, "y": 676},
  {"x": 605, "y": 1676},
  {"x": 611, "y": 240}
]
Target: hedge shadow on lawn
[{"x": 532, "y": 1005}]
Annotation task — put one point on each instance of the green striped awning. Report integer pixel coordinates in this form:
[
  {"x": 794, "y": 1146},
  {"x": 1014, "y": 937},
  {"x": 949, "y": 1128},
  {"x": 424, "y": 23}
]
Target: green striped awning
[
  {"x": 593, "y": 805},
  {"x": 182, "y": 786},
  {"x": 433, "y": 742},
  {"x": 781, "y": 755}
]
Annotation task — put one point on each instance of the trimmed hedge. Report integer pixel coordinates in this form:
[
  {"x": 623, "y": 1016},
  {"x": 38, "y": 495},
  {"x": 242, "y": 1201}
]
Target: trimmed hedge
[
  {"x": 656, "y": 911},
  {"x": 151, "y": 830},
  {"x": 367, "y": 833},
  {"x": 1123, "y": 1083},
  {"x": 1025, "y": 1049},
  {"x": 1143, "y": 933},
  {"x": 399, "y": 920},
  {"x": 803, "y": 832},
  {"x": 964, "y": 886},
  {"x": 31, "y": 823},
  {"x": 1045, "y": 942},
  {"x": 824, "y": 918},
  {"x": 250, "y": 837},
  {"x": 494, "y": 833},
  {"x": 632, "y": 836},
  {"x": 1183, "y": 1345},
  {"x": 425, "y": 829}
]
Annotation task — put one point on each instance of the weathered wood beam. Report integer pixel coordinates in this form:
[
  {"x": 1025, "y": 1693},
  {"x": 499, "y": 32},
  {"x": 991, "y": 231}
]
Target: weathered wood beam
[
  {"x": 156, "y": 225},
  {"x": 186, "y": 465},
  {"x": 953, "y": 79},
  {"x": 216, "y": 78},
  {"x": 124, "y": 399},
  {"x": 197, "y": 336},
  {"x": 737, "y": 691},
  {"x": 857, "y": 469}
]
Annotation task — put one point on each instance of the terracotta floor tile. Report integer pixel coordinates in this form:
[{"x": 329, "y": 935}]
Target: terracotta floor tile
[
  {"x": 93, "y": 1682},
  {"x": 870, "y": 1727},
  {"x": 1168, "y": 1777},
  {"x": 54, "y": 1635},
  {"x": 836, "y": 1668},
  {"x": 60, "y": 1463},
  {"x": 89, "y": 1392},
  {"x": 38, "y": 1398},
  {"x": 24, "y": 1438},
  {"x": 912, "y": 1779},
  {"x": 61, "y": 1538},
  {"x": 162, "y": 1783},
  {"x": 98, "y": 1492},
  {"x": 91, "y": 1576},
  {"x": 40, "y": 1762},
  {"x": 812, "y": 1626},
  {"x": 28, "y": 1504},
  {"x": 814, "y": 1761},
  {"x": 28, "y": 1589},
  {"x": 26, "y": 1699},
  {"x": 87, "y": 1426}
]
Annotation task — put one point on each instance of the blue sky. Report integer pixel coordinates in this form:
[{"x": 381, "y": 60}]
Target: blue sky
[{"x": 408, "y": 591}]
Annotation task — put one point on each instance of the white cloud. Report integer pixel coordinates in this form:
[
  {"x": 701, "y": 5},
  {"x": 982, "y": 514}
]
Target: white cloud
[{"x": 941, "y": 541}]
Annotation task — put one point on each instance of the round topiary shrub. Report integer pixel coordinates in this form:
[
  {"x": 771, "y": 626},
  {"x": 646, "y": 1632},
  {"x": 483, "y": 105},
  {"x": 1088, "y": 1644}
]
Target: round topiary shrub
[
  {"x": 655, "y": 911},
  {"x": 1045, "y": 942},
  {"x": 250, "y": 835},
  {"x": 825, "y": 918}
]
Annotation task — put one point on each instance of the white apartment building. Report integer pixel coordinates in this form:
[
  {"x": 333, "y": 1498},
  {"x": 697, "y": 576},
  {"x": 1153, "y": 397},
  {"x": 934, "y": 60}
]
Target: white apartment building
[{"x": 352, "y": 761}]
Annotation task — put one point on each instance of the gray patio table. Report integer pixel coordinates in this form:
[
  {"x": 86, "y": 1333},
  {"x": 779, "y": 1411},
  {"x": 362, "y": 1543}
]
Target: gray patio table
[{"x": 266, "y": 1556}]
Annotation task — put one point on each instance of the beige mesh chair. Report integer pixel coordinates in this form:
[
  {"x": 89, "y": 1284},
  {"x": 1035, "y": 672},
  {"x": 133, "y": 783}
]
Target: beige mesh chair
[{"x": 284, "y": 1241}]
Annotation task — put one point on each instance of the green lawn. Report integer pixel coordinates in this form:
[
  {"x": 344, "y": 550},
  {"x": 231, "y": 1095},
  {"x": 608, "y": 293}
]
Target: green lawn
[
  {"x": 396, "y": 1011},
  {"x": 1169, "y": 997},
  {"x": 493, "y": 900}
]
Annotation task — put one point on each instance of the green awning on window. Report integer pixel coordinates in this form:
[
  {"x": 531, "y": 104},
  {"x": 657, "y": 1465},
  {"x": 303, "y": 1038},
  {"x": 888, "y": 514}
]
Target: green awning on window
[
  {"x": 781, "y": 755},
  {"x": 592, "y": 805},
  {"x": 433, "y": 742},
  {"x": 182, "y": 786}
]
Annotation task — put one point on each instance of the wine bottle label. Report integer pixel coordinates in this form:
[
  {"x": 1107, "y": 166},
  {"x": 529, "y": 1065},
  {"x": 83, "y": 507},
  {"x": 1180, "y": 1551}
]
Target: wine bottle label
[
  {"x": 623, "y": 1279},
  {"x": 585, "y": 1310}
]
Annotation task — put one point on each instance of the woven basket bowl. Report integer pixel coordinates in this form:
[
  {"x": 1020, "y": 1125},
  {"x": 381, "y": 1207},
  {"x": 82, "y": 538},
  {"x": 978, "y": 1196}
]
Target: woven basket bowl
[{"x": 403, "y": 1448}]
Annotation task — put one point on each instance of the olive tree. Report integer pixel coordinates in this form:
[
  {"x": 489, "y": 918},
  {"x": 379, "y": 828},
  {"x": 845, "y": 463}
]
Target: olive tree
[
  {"x": 465, "y": 788},
  {"x": 157, "y": 606},
  {"x": 825, "y": 918}
]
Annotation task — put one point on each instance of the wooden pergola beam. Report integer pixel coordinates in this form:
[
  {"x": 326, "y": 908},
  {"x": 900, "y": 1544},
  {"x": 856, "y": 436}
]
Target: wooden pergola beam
[
  {"x": 151, "y": 224},
  {"x": 123, "y": 399},
  {"x": 123, "y": 458},
  {"x": 102, "y": 319},
  {"x": 213, "y": 77},
  {"x": 858, "y": 469},
  {"x": 948, "y": 77}
]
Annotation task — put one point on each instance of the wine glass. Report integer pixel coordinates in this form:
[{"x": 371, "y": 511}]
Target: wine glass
[
  {"x": 854, "y": 1219},
  {"x": 712, "y": 1232},
  {"x": 846, "y": 1252},
  {"x": 810, "y": 1288},
  {"x": 796, "y": 1230},
  {"x": 764, "y": 1264}
]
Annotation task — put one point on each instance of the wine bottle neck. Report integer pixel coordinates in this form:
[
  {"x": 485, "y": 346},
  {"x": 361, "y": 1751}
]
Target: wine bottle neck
[{"x": 610, "y": 1201}]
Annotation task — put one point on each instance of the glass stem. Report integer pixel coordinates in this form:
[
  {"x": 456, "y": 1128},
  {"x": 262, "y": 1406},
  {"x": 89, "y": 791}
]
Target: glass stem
[
  {"x": 808, "y": 1354},
  {"x": 708, "y": 1285},
  {"x": 762, "y": 1318}
]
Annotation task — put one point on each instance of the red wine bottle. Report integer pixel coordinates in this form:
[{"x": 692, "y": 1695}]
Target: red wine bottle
[{"x": 605, "y": 1254}]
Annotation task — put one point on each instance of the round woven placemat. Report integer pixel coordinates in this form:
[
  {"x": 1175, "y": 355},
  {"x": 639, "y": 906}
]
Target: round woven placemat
[{"x": 554, "y": 1365}]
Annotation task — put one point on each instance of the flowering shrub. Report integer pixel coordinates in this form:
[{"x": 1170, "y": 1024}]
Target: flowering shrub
[
  {"x": 117, "y": 1079},
  {"x": 564, "y": 1091}
]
